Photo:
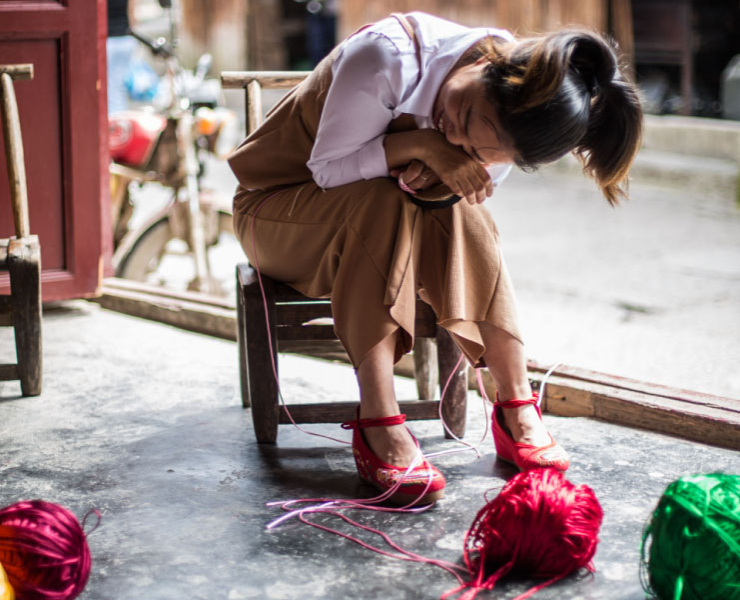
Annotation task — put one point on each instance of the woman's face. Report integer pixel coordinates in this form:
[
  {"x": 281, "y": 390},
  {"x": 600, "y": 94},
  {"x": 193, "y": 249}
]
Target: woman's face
[{"x": 467, "y": 119}]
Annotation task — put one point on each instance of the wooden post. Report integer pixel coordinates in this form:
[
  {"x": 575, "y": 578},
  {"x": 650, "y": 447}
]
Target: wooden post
[
  {"x": 254, "y": 105},
  {"x": 14, "y": 156},
  {"x": 24, "y": 266},
  {"x": 242, "y": 274},
  {"x": 454, "y": 405},
  {"x": 263, "y": 389},
  {"x": 425, "y": 367}
]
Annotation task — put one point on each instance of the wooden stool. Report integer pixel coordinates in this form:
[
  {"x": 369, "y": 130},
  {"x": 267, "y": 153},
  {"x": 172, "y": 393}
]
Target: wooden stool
[
  {"x": 21, "y": 255},
  {"x": 290, "y": 315}
]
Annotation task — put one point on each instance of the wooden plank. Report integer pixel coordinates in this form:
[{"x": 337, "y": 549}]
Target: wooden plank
[
  {"x": 339, "y": 412},
  {"x": 324, "y": 349},
  {"x": 668, "y": 416},
  {"x": 652, "y": 389},
  {"x": 190, "y": 314},
  {"x": 304, "y": 332},
  {"x": 269, "y": 80},
  {"x": 718, "y": 426},
  {"x": 298, "y": 314},
  {"x": 563, "y": 397},
  {"x": 286, "y": 293},
  {"x": 117, "y": 283},
  {"x": 8, "y": 372}
]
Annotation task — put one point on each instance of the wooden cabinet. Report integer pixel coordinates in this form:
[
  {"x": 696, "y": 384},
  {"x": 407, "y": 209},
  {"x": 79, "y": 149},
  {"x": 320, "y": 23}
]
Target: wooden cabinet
[{"x": 64, "y": 125}]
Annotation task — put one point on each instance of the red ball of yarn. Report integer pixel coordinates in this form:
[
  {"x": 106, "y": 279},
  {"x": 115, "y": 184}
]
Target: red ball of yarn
[
  {"x": 540, "y": 525},
  {"x": 43, "y": 551}
]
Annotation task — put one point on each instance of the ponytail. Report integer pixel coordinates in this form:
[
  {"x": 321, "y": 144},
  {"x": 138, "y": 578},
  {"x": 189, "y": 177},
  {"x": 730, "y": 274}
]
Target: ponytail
[{"x": 562, "y": 93}]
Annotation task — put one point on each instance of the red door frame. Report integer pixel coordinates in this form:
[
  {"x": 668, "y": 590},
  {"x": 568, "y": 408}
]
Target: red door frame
[{"x": 77, "y": 232}]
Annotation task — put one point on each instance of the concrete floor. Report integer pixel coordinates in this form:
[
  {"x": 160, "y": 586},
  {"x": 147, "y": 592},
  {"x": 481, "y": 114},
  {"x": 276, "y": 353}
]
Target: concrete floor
[{"x": 144, "y": 422}]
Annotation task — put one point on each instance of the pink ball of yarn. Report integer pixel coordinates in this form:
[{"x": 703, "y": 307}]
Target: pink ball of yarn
[
  {"x": 43, "y": 551},
  {"x": 540, "y": 525}
]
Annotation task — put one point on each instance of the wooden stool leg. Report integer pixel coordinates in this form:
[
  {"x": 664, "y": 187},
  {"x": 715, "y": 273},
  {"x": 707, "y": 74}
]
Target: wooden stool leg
[
  {"x": 24, "y": 266},
  {"x": 241, "y": 334},
  {"x": 263, "y": 389},
  {"x": 454, "y": 405},
  {"x": 425, "y": 367}
]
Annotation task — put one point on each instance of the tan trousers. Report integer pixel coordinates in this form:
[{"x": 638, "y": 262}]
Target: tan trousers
[{"x": 371, "y": 250}]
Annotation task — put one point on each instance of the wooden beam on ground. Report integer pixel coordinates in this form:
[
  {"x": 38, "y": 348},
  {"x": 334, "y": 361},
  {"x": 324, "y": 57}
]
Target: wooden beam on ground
[
  {"x": 690, "y": 415},
  {"x": 570, "y": 391},
  {"x": 192, "y": 311}
]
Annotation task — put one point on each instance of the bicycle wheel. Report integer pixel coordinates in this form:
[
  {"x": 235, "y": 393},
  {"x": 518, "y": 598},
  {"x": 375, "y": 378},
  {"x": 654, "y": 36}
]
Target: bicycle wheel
[{"x": 158, "y": 257}]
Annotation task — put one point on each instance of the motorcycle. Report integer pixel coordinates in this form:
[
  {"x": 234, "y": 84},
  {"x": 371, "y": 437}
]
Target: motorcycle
[{"x": 170, "y": 147}]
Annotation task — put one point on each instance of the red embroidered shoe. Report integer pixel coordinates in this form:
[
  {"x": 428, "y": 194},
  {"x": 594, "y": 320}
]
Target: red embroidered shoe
[
  {"x": 422, "y": 485},
  {"x": 525, "y": 456}
]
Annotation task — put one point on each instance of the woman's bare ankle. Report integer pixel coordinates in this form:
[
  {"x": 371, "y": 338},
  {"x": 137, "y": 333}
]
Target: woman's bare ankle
[
  {"x": 525, "y": 425},
  {"x": 393, "y": 445}
]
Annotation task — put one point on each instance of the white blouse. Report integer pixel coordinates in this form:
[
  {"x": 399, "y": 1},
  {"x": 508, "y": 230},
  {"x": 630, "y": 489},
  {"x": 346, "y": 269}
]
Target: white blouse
[{"x": 375, "y": 80}]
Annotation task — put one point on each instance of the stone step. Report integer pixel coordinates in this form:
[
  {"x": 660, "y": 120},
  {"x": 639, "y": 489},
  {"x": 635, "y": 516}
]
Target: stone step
[
  {"x": 694, "y": 136},
  {"x": 695, "y": 172},
  {"x": 711, "y": 176}
]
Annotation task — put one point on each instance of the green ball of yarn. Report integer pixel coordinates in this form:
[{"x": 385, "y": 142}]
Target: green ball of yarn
[{"x": 691, "y": 545}]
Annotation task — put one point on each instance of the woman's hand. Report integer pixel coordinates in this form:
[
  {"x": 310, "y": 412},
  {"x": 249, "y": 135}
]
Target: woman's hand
[
  {"x": 417, "y": 175},
  {"x": 464, "y": 175},
  {"x": 409, "y": 150}
]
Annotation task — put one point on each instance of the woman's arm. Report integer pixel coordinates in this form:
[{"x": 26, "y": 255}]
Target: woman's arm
[{"x": 365, "y": 88}]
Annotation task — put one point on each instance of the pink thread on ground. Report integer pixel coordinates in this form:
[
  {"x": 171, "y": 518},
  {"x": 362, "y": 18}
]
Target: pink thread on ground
[
  {"x": 44, "y": 551},
  {"x": 456, "y": 570}
]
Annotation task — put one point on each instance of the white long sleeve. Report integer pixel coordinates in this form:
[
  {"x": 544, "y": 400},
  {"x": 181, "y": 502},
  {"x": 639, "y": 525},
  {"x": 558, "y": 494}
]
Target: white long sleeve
[{"x": 356, "y": 114}]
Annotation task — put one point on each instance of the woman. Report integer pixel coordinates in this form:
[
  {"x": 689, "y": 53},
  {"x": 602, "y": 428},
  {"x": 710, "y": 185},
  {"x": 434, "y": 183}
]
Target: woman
[{"x": 410, "y": 102}]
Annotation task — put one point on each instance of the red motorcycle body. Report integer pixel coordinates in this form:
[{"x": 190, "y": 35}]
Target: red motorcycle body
[{"x": 133, "y": 136}]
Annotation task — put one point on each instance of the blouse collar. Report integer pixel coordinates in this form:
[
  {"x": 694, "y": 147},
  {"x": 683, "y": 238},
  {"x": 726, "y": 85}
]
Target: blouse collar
[{"x": 438, "y": 55}]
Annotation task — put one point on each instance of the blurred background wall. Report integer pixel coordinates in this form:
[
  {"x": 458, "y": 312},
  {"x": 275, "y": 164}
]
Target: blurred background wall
[{"x": 679, "y": 50}]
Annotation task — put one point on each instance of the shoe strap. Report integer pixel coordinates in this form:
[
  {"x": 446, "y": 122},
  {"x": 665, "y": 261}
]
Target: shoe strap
[
  {"x": 379, "y": 422},
  {"x": 514, "y": 402}
]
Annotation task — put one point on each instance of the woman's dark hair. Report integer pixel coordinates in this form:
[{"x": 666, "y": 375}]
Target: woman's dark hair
[{"x": 564, "y": 92}]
